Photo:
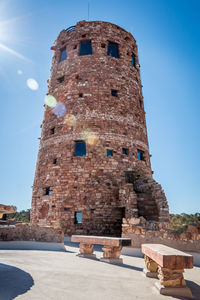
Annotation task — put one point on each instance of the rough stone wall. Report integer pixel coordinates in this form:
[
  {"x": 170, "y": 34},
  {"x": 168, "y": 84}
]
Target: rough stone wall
[
  {"x": 27, "y": 232},
  {"x": 142, "y": 231},
  {"x": 91, "y": 184}
]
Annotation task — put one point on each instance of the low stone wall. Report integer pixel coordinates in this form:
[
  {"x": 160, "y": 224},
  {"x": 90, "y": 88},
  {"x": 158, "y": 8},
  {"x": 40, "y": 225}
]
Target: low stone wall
[
  {"x": 29, "y": 232},
  {"x": 141, "y": 232}
]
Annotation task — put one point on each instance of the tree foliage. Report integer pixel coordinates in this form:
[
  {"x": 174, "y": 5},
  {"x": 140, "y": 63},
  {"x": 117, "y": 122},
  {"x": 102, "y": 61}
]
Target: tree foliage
[
  {"x": 180, "y": 222},
  {"x": 22, "y": 216}
]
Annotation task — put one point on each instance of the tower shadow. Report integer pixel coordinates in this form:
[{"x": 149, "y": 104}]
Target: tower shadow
[{"x": 13, "y": 282}]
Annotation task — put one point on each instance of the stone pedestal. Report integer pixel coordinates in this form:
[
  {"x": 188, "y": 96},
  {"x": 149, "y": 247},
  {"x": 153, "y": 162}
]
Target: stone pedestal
[
  {"x": 86, "y": 251},
  {"x": 172, "y": 283},
  {"x": 151, "y": 267},
  {"x": 112, "y": 255}
]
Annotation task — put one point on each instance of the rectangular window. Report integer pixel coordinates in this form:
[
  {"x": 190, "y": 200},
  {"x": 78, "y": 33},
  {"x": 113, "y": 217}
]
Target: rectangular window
[
  {"x": 80, "y": 148},
  {"x": 78, "y": 217},
  {"x": 124, "y": 151},
  {"x": 52, "y": 130},
  {"x": 113, "y": 50},
  {"x": 61, "y": 79},
  {"x": 47, "y": 191},
  {"x": 128, "y": 176},
  {"x": 85, "y": 48},
  {"x": 109, "y": 152},
  {"x": 133, "y": 60},
  {"x": 114, "y": 93},
  {"x": 140, "y": 155},
  {"x": 55, "y": 161},
  {"x": 63, "y": 54}
]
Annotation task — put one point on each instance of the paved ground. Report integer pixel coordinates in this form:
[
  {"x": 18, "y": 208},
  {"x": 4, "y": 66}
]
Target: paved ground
[{"x": 38, "y": 275}]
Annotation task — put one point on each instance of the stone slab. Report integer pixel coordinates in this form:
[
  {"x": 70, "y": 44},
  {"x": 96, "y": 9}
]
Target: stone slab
[
  {"x": 86, "y": 255},
  {"x": 175, "y": 292},
  {"x": 168, "y": 257},
  {"x": 150, "y": 274},
  {"x": 101, "y": 240},
  {"x": 112, "y": 260}
]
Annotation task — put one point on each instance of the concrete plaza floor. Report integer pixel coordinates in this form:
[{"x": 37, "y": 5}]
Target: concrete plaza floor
[{"x": 38, "y": 275}]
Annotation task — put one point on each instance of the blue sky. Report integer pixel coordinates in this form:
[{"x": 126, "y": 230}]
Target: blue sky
[{"x": 168, "y": 38}]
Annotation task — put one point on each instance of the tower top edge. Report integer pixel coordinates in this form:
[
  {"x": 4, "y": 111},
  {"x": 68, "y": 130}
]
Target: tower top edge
[{"x": 89, "y": 24}]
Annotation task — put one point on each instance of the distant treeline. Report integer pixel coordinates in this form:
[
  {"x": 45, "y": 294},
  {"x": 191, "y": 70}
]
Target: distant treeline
[
  {"x": 22, "y": 216},
  {"x": 180, "y": 222}
]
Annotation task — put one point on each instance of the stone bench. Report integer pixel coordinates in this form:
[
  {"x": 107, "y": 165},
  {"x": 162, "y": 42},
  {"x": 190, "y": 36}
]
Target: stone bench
[
  {"x": 167, "y": 264},
  {"x": 111, "y": 250}
]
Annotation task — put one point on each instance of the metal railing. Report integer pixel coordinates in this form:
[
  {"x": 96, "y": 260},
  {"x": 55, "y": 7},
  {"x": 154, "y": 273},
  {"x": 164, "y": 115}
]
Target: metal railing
[{"x": 70, "y": 29}]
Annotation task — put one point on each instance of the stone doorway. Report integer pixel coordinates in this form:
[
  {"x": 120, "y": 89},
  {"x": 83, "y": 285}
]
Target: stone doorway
[{"x": 118, "y": 213}]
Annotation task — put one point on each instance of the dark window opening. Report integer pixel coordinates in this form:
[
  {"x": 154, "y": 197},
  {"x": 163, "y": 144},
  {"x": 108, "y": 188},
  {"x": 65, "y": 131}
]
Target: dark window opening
[
  {"x": 53, "y": 206},
  {"x": 66, "y": 208},
  {"x": 85, "y": 48},
  {"x": 63, "y": 54},
  {"x": 47, "y": 191},
  {"x": 114, "y": 93},
  {"x": 109, "y": 152},
  {"x": 133, "y": 60},
  {"x": 83, "y": 35},
  {"x": 140, "y": 155},
  {"x": 140, "y": 100},
  {"x": 113, "y": 50},
  {"x": 124, "y": 151},
  {"x": 80, "y": 148},
  {"x": 78, "y": 217},
  {"x": 61, "y": 79},
  {"x": 55, "y": 161},
  {"x": 52, "y": 130},
  {"x": 80, "y": 95},
  {"x": 103, "y": 45},
  {"x": 127, "y": 38},
  {"x": 128, "y": 176},
  {"x": 75, "y": 46}
]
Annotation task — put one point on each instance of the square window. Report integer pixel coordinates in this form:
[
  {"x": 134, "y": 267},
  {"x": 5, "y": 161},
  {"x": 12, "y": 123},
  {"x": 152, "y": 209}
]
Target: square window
[
  {"x": 128, "y": 176},
  {"x": 61, "y": 79},
  {"x": 109, "y": 152},
  {"x": 85, "y": 48},
  {"x": 114, "y": 93},
  {"x": 80, "y": 148},
  {"x": 63, "y": 54},
  {"x": 47, "y": 191},
  {"x": 78, "y": 217},
  {"x": 52, "y": 130},
  {"x": 133, "y": 60},
  {"x": 124, "y": 151},
  {"x": 140, "y": 155},
  {"x": 113, "y": 50}
]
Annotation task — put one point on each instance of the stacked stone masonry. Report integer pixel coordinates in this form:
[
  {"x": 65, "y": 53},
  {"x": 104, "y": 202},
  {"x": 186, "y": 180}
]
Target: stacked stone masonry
[{"x": 104, "y": 95}]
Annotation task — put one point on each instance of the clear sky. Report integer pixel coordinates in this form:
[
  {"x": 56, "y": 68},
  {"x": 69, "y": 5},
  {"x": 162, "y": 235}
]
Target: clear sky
[{"x": 168, "y": 37}]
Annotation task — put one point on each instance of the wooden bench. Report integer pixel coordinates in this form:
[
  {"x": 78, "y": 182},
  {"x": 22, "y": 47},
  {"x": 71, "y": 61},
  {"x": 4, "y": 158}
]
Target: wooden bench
[
  {"x": 111, "y": 250},
  {"x": 167, "y": 264}
]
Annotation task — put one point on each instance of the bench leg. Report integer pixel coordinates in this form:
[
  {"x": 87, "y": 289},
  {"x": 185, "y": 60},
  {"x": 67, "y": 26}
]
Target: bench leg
[
  {"x": 112, "y": 255},
  {"x": 86, "y": 250},
  {"x": 151, "y": 269},
  {"x": 172, "y": 283}
]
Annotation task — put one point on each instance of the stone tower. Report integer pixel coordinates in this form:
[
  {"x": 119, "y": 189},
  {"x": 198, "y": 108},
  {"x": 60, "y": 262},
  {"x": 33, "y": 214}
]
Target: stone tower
[{"x": 93, "y": 166}]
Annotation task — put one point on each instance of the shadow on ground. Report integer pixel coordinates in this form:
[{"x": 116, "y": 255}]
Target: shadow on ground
[{"x": 13, "y": 282}]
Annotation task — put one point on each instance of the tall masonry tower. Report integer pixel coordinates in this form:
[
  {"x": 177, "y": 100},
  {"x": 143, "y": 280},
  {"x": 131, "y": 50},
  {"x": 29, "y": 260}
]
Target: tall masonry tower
[{"x": 93, "y": 166}]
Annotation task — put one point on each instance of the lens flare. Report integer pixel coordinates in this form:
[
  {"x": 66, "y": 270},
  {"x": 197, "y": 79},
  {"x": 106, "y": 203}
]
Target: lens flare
[
  {"x": 90, "y": 137},
  {"x": 70, "y": 120},
  {"x": 19, "y": 72},
  {"x": 32, "y": 84},
  {"x": 59, "y": 110},
  {"x": 50, "y": 101}
]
